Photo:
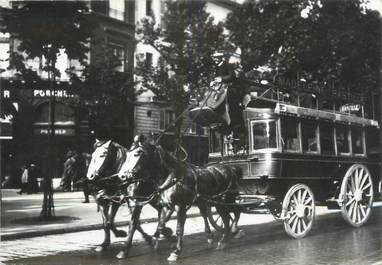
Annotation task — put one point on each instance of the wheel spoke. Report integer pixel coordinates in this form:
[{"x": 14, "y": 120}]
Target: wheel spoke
[
  {"x": 367, "y": 186},
  {"x": 308, "y": 200},
  {"x": 217, "y": 219},
  {"x": 294, "y": 224},
  {"x": 362, "y": 211},
  {"x": 299, "y": 226},
  {"x": 292, "y": 218},
  {"x": 364, "y": 178},
  {"x": 295, "y": 199},
  {"x": 352, "y": 184},
  {"x": 300, "y": 197},
  {"x": 360, "y": 176},
  {"x": 355, "y": 177},
  {"x": 355, "y": 213},
  {"x": 303, "y": 224},
  {"x": 350, "y": 201},
  {"x": 303, "y": 198},
  {"x": 351, "y": 209}
]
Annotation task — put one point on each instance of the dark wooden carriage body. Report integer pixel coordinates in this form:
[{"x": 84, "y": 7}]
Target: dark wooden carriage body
[{"x": 287, "y": 150}]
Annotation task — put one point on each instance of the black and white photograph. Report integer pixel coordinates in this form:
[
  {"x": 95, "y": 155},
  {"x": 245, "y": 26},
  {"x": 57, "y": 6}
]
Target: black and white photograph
[{"x": 214, "y": 132}]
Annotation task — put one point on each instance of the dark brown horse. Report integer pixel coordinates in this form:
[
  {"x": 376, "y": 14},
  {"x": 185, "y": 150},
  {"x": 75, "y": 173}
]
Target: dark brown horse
[
  {"x": 75, "y": 167},
  {"x": 183, "y": 184}
]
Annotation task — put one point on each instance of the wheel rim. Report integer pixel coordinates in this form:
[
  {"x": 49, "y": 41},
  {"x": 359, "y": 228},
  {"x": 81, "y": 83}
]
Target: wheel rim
[
  {"x": 299, "y": 211},
  {"x": 357, "y": 195}
]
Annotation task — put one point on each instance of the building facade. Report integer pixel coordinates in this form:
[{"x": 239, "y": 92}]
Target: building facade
[
  {"x": 27, "y": 106},
  {"x": 152, "y": 117}
]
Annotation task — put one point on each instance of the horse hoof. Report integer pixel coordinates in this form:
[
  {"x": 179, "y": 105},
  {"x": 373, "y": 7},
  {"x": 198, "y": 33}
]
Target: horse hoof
[
  {"x": 210, "y": 242},
  {"x": 121, "y": 255},
  {"x": 155, "y": 243},
  {"x": 239, "y": 234},
  {"x": 167, "y": 232},
  {"x": 221, "y": 246},
  {"x": 173, "y": 257},
  {"x": 120, "y": 233},
  {"x": 101, "y": 248},
  {"x": 149, "y": 240}
]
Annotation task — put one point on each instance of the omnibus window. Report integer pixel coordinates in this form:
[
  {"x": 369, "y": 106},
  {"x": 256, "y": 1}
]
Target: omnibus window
[
  {"x": 357, "y": 140},
  {"x": 342, "y": 139},
  {"x": 289, "y": 133},
  {"x": 309, "y": 136},
  {"x": 326, "y": 139},
  {"x": 264, "y": 135},
  {"x": 215, "y": 141}
]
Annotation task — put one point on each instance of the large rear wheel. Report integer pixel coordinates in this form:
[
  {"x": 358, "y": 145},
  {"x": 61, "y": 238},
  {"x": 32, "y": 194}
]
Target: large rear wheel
[
  {"x": 357, "y": 195},
  {"x": 298, "y": 211}
]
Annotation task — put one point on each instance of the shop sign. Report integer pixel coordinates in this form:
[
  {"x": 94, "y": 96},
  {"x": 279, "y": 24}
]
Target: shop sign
[
  {"x": 350, "y": 108},
  {"x": 57, "y": 131},
  {"x": 6, "y": 130},
  {"x": 6, "y": 93},
  {"x": 58, "y": 93},
  {"x": 328, "y": 89}
]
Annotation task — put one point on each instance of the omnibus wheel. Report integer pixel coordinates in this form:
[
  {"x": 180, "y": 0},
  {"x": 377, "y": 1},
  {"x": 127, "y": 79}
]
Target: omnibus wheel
[
  {"x": 298, "y": 211},
  {"x": 357, "y": 195},
  {"x": 215, "y": 219}
]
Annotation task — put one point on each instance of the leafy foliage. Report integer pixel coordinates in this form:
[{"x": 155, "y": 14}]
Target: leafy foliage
[
  {"x": 42, "y": 28},
  {"x": 315, "y": 40},
  {"x": 105, "y": 93},
  {"x": 186, "y": 39}
]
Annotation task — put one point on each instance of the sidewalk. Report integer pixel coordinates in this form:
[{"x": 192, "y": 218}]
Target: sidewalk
[{"x": 19, "y": 215}]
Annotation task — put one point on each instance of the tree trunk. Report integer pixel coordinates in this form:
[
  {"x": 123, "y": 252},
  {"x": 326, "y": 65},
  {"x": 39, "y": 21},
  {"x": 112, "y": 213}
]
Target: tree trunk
[{"x": 47, "y": 211}]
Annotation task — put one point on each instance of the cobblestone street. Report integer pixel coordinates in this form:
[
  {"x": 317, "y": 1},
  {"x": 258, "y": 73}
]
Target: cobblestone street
[{"x": 331, "y": 242}]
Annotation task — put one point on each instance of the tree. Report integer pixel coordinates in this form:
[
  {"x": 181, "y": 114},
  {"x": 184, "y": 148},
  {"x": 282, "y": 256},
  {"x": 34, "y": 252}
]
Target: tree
[
  {"x": 314, "y": 40},
  {"x": 41, "y": 29},
  {"x": 106, "y": 92},
  {"x": 186, "y": 39}
]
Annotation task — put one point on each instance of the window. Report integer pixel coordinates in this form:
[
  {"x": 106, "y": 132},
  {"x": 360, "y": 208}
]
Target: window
[
  {"x": 342, "y": 139},
  {"x": 326, "y": 139},
  {"x": 167, "y": 117},
  {"x": 194, "y": 128},
  {"x": 117, "y": 9},
  {"x": 289, "y": 134},
  {"x": 119, "y": 53},
  {"x": 309, "y": 136},
  {"x": 215, "y": 144},
  {"x": 149, "y": 59},
  {"x": 148, "y": 7},
  {"x": 264, "y": 135},
  {"x": 63, "y": 114},
  {"x": 357, "y": 140}
]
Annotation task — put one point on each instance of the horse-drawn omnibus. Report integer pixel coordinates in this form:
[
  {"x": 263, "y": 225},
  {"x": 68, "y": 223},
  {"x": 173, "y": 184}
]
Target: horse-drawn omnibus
[{"x": 295, "y": 157}]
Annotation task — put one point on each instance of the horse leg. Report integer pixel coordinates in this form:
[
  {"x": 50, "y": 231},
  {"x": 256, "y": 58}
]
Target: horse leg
[
  {"x": 116, "y": 232},
  {"x": 238, "y": 233},
  {"x": 161, "y": 228},
  {"x": 181, "y": 214},
  {"x": 207, "y": 229},
  {"x": 226, "y": 234},
  {"x": 104, "y": 208},
  {"x": 133, "y": 226}
]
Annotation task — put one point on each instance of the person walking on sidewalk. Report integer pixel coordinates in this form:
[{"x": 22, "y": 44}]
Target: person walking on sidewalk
[
  {"x": 32, "y": 180},
  {"x": 24, "y": 179}
]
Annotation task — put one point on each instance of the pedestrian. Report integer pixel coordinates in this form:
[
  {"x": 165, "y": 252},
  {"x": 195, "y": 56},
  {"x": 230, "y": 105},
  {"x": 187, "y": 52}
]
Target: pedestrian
[
  {"x": 24, "y": 179},
  {"x": 32, "y": 180}
]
